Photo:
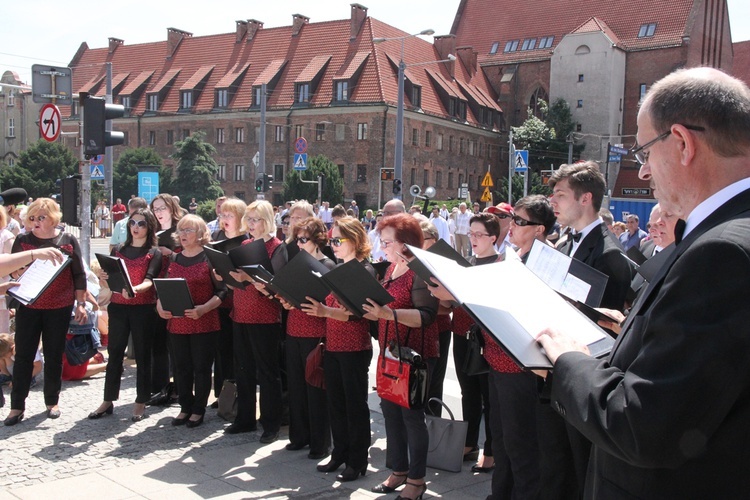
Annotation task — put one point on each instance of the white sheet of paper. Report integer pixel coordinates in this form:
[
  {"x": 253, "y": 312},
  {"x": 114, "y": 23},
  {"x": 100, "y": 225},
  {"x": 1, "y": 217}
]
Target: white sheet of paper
[
  {"x": 35, "y": 278},
  {"x": 552, "y": 266}
]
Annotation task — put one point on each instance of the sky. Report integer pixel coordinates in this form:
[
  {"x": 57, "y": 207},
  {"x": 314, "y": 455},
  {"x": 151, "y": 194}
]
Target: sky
[{"x": 43, "y": 32}]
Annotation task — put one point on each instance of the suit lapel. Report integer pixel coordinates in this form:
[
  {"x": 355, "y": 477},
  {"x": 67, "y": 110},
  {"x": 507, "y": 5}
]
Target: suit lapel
[{"x": 587, "y": 245}]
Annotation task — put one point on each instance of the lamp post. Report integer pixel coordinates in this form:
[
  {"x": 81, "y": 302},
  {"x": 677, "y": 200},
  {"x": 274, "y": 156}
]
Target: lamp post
[{"x": 398, "y": 159}]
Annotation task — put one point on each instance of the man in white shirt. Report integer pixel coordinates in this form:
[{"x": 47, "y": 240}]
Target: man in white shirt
[
  {"x": 463, "y": 216},
  {"x": 440, "y": 224},
  {"x": 325, "y": 214}
]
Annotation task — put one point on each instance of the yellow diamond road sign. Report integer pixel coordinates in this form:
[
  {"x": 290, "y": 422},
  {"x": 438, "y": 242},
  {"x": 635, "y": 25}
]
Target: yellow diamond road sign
[{"x": 487, "y": 181}]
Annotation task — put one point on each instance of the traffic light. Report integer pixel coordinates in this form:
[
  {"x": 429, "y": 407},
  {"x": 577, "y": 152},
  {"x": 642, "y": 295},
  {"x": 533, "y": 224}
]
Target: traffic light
[
  {"x": 259, "y": 181},
  {"x": 95, "y": 113},
  {"x": 267, "y": 182},
  {"x": 397, "y": 187},
  {"x": 71, "y": 200}
]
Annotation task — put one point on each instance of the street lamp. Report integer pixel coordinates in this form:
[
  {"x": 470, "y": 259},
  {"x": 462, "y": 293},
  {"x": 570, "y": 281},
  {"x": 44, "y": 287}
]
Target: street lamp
[{"x": 398, "y": 160}]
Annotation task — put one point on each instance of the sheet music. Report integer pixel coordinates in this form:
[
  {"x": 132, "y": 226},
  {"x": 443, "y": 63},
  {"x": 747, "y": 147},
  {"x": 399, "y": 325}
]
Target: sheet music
[
  {"x": 36, "y": 278},
  {"x": 552, "y": 267}
]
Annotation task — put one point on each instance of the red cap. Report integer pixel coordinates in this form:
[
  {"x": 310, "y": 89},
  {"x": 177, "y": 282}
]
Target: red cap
[{"x": 501, "y": 207}]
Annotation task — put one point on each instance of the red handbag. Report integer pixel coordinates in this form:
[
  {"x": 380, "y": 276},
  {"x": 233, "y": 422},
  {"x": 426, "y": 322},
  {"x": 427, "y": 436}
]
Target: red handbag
[
  {"x": 402, "y": 381},
  {"x": 314, "y": 374}
]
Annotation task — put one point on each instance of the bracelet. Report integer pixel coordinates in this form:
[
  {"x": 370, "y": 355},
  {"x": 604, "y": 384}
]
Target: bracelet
[{"x": 81, "y": 303}]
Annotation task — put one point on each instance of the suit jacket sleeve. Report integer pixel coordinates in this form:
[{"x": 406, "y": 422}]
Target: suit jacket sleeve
[{"x": 647, "y": 405}]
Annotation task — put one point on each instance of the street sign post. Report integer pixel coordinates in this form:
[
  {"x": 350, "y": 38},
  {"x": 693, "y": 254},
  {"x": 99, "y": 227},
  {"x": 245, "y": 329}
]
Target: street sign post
[
  {"x": 617, "y": 150},
  {"x": 521, "y": 163},
  {"x": 300, "y": 161},
  {"x": 97, "y": 172},
  {"x": 300, "y": 145},
  {"x": 49, "y": 122},
  {"x": 51, "y": 84}
]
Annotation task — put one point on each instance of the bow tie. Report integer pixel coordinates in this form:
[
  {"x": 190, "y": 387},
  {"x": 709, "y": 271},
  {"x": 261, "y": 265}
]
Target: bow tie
[
  {"x": 576, "y": 236},
  {"x": 679, "y": 230}
]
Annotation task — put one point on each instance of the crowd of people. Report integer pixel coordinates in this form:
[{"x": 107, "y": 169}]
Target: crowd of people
[{"x": 662, "y": 416}]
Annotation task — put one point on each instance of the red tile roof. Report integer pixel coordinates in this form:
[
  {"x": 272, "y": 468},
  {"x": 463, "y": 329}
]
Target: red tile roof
[
  {"x": 118, "y": 80},
  {"x": 445, "y": 84},
  {"x": 594, "y": 25},
  {"x": 479, "y": 24},
  {"x": 92, "y": 84},
  {"x": 324, "y": 49},
  {"x": 197, "y": 77},
  {"x": 741, "y": 64}
]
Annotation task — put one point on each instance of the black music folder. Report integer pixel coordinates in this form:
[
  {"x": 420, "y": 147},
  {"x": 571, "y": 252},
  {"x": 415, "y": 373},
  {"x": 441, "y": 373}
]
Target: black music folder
[
  {"x": 228, "y": 244},
  {"x": 301, "y": 278},
  {"x": 352, "y": 284},
  {"x": 174, "y": 295},
  {"x": 118, "y": 277},
  {"x": 223, "y": 265},
  {"x": 258, "y": 273},
  {"x": 252, "y": 253}
]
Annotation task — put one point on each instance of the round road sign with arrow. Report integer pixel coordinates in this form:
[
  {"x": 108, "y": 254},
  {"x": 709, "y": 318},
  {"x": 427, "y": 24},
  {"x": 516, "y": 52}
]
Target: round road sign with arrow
[{"x": 49, "y": 122}]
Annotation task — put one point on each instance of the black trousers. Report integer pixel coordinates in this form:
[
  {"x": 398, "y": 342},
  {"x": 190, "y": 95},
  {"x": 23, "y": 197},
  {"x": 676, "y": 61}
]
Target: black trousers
[
  {"x": 475, "y": 400},
  {"x": 160, "y": 356},
  {"x": 224, "y": 362},
  {"x": 125, "y": 320},
  {"x": 347, "y": 383},
  {"x": 256, "y": 363},
  {"x": 308, "y": 410},
  {"x": 407, "y": 440},
  {"x": 435, "y": 390},
  {"x": 51, "y": 325},
  {"x": 513, "y": 407},
  {"x": 194, "y": 358},
  {"x": 557, "y": 465}
]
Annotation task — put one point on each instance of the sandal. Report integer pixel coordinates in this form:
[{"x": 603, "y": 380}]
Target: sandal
[{"x": 384, "y": 488}]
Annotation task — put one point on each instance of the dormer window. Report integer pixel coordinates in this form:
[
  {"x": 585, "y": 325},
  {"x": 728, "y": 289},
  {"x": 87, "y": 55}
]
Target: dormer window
[
  {"x": 342, "y": 90},
  {"x": 153, "y": 102},
  {"x": 186, "y": 99},
  {"x": 257, "y": 95},
  {"x": 303, "y": 92},
  {"x": 647, "y": 30},
  {"x": 222, "y": 98}
]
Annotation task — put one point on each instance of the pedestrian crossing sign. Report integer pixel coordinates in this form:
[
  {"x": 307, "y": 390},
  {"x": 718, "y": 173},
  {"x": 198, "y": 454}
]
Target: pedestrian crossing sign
[
  {"x": 97, "y": 173},
  {"x": 522, "y": 160},
  {"x": 300, "y": 161}
]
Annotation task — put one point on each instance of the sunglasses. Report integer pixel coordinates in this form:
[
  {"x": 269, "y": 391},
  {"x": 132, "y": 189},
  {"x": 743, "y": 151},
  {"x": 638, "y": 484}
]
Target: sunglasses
[
  {"x": 336, "y": 242},
  {"x": 40, "y": 218},
  {"x": 139, "y": 223},
  {"x": 304, "y": 239},
  {"x": 520, "y": 221}
]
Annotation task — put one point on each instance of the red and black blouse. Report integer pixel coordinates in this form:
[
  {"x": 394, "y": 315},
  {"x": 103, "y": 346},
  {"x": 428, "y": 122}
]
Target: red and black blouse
[
  {"x": 142, "y": 264},
  {"x": 199, "y": 276},
  {"x": 251, "y": 306}
]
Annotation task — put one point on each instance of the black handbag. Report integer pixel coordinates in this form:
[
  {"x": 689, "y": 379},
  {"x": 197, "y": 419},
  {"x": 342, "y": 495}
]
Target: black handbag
[
  {"x": 474, "y": 362},
  {"x": 79, "y": 349}
]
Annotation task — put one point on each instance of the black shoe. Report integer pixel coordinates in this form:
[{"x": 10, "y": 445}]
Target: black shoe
[
  {"x": 177, "y": 421},
  {"x": 269, "y": 437},
  {"x": 13, "y": 420},
  {"x": 384, "y": 488},
  {"x": 418, "y": 497},
  {"x": 94, "y": 415},
  {"x": 351, "y": 474},
  {"x": 331, "y": 466},
  {"x": 138, "y": 418},
  {"x": 236, "y": 428},
  {"x": 194, "y": 423},
  {"x": 53, "y": 414},
  {"x": 295, "y": 446},
  {"x": 477, "y": 468},
  {"x": 318, "y": 455}
]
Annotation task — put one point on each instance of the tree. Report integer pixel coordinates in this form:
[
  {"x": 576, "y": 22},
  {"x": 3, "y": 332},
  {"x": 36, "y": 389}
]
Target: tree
[
  {"x": 333, "y": 187},
  {"x": 125, "y": 176},
  {"x": 196, "y": 169},
  {"x": 39, "y": 167},
  {"x": 535, "y": 187}
]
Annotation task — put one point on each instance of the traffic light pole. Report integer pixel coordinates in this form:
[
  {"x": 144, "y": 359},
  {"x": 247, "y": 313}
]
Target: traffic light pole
[{"x": 85, "y": 215}]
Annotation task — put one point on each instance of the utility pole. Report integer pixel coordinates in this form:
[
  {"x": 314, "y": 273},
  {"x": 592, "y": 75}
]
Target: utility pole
[
  {"x": 108, "y": 160},
  {"x": 511, "y": 167},
  {"x": 262, "y": 138}
]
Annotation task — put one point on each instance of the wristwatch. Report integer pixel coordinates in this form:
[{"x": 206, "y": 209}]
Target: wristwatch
[{"x": 81, "y": 303}]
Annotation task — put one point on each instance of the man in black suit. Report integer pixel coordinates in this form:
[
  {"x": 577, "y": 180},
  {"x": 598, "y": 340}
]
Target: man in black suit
[
  {"x": 577, "y": 194},
  {"x": 668, "y": 411}
]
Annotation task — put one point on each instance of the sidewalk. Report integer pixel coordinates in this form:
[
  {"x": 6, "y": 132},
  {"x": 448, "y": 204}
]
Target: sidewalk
[{"x": 114, "y": 458}]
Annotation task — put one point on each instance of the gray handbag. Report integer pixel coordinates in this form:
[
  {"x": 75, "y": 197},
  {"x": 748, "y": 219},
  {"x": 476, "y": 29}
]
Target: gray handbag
[{"x": 447, "y": 440}]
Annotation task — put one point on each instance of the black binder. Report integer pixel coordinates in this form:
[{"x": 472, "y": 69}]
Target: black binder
[
  {"x": 258, "y": 273},
  {"x": 352, "y": 284},
  {"x": 228, "y": 244},
  {"x": 223, "y": 265},
  {"x": 174, "y": 295},
  {"x": 115, "y": 268},
  {"x": 39, "y": 269},
  {"x": 442, "y": 249},
  {"x": 298, "y": 280}
]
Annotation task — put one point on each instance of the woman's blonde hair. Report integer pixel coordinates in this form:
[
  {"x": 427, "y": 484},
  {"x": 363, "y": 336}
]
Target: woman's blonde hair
[
  {"x": 45, "y": 205},
  {"x": 265, "y": 213},
  {"x": 238, "y": 208},
  {"x": 192, "y": 221}
]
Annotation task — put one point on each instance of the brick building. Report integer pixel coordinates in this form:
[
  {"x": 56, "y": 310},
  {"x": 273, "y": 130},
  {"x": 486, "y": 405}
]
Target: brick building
[
  {"x": 599, "y": 55},
  {"x": 327, "y": 81},
  {"x": 19, "y": 116}
]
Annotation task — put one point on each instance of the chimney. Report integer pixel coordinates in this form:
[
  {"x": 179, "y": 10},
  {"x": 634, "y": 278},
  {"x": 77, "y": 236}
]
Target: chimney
[
  {"x": 240, "y": 31},
  {"x": 359, "y": 14},
  {"x": 114, "y": 43},
  {"x": 445, "y": 45},
  {"x": 253, "y": 26},
  {"x": 174, "y": 37},
  {"x": 298, "y": 21},
  {"x": 468, "y": 57}
]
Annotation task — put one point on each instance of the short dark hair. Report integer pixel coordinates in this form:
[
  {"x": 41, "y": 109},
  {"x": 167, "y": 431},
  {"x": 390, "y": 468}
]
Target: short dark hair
[
  {"x": 338, "y": 211},
  {"x": 539, "y": 209},
  {"x": 489, "y": 221},
  {"x": 584, "y": 177},
  {"x": 315, "y": 230}
]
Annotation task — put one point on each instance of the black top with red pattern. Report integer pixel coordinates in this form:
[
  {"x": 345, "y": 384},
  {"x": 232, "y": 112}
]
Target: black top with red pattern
[
  {"x": 348, "y": 336},
  {"x": 301, "y": 324},
  {"x": 203, "y": 286},
  {"x": 142, "y": 264},
  {"x": 251, "y": 306},
  {"x": 61, "y": 292}
]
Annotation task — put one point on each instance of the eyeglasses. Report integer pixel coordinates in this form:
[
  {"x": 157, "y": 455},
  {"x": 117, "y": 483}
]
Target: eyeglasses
[
  {"x": 386, "y": 243},
  {"x": 160, "y": 209},
  {"x": 139, "y": 223},
  {"x": 428, "y": 238},
  {"x": 641, "y": 156},
  {"x": 336, "y": 242},
  {"x": 227, "y": 216},
  {"x": 302, "y": 239},
  {"x": 254, "y": 220},
  {"x": 187, "y": 230},
  {"x": 472, "y": 234},
  {"x": 520, "y": 221},
  {"x": 40, "y": 218}
]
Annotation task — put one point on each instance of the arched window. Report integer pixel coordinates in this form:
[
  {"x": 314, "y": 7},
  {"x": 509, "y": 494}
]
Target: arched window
[
  {"x": 539, "y": 93},
  {"x": 582, "y": 50}
]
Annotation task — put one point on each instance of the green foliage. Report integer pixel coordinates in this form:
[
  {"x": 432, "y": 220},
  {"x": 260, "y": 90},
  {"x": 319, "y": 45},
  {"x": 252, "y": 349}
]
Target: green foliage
[
  {"x": 125, "y": 176},
  {"x": 333, "y": 190},
  {"x": 207, "y": 210},
  {"x": 500, "y": 193},
  {"x": 560, "y": 119},
  {"x": 196, "y": 169},
  {"x": 39, "y": 167}
]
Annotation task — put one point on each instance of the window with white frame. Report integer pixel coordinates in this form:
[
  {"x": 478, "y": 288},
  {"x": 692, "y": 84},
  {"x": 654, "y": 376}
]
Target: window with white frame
[
  {"x": 152, "y": 138},
  {"x": 187, "y": 99},
  {"x": 11, "y": 127},
  {"x": 222, "y": 98},
  {"x": 126, "y": 102},
  {"x": 361, "y": 131},
  {"x": 303, "y": 92},
  {"x": 279, "y": 133},
  {"x": 239, "y": 134},
  {"x": 439, "y": 142},
  {"x": 221, "y": 173},
  {"x": 219, "y": 136},
  {"x": 239, "y": 172},
  {"x": 11, "y": 99},
  {"x": 153, "y": 102},
  {"x": 342, "y": 90}
]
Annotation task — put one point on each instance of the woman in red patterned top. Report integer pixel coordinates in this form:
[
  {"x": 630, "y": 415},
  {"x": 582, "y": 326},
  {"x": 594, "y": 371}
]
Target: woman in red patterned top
[
  {"x": 193, "y": 336},
  {"x": 347, "y": 361},
  {"x": 133, "y": 315},
  {"x": 257, "y": 335},
  {"x": 49, "y": 315},
  {"x": 406, "y": 432},
  {"x": 308, "y": 414}
]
